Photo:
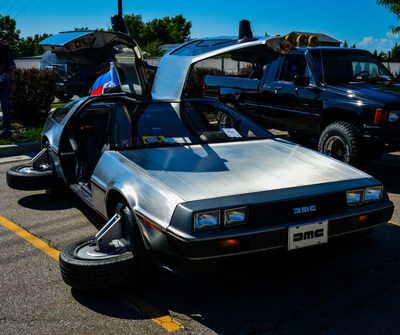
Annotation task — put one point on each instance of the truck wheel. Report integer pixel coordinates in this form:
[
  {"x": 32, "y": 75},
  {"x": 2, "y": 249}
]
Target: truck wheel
[
  {"x": 24, "y": 177},
  {"x": 64, "y": 97},
  {"x": 342, "y": 141}
]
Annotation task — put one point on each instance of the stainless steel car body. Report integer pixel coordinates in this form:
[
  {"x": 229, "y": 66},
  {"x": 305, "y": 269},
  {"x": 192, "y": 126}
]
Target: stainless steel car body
[
  {"x": 201, "y": 172},
  {"x": 275, "y": 183}
]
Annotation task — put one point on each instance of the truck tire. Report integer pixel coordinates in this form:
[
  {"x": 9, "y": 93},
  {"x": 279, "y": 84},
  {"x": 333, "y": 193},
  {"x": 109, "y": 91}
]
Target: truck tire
[
  {"x": 342, "y": 141},
  {"x": 64, "y": 97}
]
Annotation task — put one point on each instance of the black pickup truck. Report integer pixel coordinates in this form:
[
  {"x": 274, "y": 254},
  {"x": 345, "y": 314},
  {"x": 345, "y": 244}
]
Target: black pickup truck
[{"x": 343, "y": 96}]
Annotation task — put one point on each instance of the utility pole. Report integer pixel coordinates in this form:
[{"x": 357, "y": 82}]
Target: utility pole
[
  {"x": 120, "y": 7},
  {"x": 117, "y": 21}
]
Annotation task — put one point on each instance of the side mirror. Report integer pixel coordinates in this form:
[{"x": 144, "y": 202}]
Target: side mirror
[{"x": 301, "y": 81}]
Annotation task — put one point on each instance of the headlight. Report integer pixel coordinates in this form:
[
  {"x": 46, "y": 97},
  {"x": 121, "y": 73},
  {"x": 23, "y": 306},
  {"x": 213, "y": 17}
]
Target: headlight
[
  {"x": 235, "y": 216},
  {"x": 373, "y": 194},
  {"x": 367, "y": 195},
  {"x": 394, "y": 116},
  {"x": 206, "y": 220},
  {"x": 355, "y": 197}
]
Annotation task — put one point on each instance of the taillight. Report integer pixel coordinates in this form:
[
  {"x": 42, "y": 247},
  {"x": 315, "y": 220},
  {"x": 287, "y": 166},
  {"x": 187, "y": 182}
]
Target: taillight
[{"x": 381, "y": 116}]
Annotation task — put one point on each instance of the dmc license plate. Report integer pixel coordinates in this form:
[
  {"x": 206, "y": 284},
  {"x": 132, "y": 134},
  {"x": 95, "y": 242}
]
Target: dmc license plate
[{"x": 301, "y": 236}]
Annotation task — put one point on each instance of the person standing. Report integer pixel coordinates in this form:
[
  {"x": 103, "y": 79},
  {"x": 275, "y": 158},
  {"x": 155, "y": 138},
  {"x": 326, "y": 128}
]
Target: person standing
[{"x": 7, "y": 78}]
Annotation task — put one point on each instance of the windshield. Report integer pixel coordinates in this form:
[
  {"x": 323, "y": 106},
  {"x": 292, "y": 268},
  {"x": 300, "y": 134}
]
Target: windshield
[
  {"x": 348, "y": 65},
  {"x": 190, "y": 122}
]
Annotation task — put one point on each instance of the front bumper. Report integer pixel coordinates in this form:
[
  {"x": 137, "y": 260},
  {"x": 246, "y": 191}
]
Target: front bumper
[
  {"x": 196, "y": 257},
  {"x": 385, "y": 135}
]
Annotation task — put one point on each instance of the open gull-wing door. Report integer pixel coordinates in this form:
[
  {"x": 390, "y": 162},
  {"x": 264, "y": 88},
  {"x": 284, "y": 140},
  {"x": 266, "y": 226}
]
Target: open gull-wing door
[
  {"x": 102, "y": 47},
  {"x": 178, "y": 63}
]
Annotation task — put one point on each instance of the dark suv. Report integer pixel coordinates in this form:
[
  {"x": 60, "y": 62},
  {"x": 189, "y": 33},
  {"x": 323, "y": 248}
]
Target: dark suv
[{"x": 76, "y": 78}]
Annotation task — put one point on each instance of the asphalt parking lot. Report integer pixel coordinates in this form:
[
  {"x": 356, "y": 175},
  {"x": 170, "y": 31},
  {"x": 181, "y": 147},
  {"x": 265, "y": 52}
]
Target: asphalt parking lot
[{"x": 343, "y": 288}]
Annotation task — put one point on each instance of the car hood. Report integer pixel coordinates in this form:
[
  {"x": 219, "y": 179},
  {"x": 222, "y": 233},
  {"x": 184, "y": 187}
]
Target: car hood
[
  {"x": 210, "y": 171},
  {"x": 101, "y": 48},
  {"x": 89, "y": 46},
  {"x": 386, "y": 92}
]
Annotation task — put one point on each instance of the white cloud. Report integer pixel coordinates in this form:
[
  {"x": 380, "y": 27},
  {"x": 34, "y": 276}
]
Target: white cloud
[{"x": 385, "y": 44}]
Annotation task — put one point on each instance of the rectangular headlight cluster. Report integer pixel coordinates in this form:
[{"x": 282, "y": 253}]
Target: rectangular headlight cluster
[
  {"x": 212, "y": 219},
  {"x": 367, "y": 195}
]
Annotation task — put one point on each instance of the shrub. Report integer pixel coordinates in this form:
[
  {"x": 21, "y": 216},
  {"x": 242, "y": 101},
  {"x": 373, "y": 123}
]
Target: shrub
[{"x": 33, "y": 95}]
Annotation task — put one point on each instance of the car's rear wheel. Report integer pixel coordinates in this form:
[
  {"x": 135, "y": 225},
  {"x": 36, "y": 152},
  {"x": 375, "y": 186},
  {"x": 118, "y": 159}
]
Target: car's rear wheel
[
  {"x": 342, "y": 141},
  {"x": 25, "y": 177},
  {"x": 85, "y": 267}
]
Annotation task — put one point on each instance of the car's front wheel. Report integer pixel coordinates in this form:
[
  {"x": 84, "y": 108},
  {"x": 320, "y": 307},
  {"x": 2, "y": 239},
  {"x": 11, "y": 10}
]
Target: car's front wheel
[
  {"x": 84, "y": 266},
  {"x": 341, "y": 140}
]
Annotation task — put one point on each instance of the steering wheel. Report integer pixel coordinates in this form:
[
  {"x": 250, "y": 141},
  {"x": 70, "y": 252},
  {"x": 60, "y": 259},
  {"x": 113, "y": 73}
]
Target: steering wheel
[{"x": 361, "y": 72}]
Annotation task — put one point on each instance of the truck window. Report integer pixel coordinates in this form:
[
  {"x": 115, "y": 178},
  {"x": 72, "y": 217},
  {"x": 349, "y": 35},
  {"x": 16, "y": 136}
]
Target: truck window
[{"x": 293, "y": 65}]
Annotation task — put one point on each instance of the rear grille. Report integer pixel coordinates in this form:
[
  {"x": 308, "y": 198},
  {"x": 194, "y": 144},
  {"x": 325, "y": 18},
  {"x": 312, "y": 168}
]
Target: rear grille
[{"x": 278, "y": 213}]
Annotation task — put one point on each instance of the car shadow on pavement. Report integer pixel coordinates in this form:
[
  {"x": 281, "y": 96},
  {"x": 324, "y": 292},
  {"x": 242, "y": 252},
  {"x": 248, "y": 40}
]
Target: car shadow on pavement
[{"x": 43, "y": 202}]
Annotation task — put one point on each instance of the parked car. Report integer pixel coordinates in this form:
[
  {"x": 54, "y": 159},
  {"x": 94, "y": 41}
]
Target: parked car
[
  {"x": 75, "y": 78},
  {"x": 185, "y": 183},
  {"x": 344, "y": 97}
]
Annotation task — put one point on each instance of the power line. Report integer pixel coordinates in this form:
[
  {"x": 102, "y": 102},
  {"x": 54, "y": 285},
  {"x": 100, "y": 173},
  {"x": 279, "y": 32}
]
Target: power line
[
  {"x": 23, "y": 9},
  {"x": 4, "y": 4},
  {"x": 12, "y": 6}
]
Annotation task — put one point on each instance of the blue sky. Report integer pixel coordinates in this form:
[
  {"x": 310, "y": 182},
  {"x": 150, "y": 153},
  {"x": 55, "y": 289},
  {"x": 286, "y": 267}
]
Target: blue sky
[{"x": 362, "y": 22}]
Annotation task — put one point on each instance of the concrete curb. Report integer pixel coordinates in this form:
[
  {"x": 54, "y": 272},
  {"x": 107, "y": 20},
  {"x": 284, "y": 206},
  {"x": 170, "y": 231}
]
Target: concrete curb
[{"x": 25, "y": 148}]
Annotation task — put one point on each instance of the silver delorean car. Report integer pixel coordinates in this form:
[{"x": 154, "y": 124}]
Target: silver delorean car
[{"x": 185, "y": 182}]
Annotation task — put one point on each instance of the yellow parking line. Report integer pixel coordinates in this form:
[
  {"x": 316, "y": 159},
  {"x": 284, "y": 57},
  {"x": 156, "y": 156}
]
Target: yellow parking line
[
  {"x": 165, "y": 321},
  {"x": 36, "y": 242},
  {"x": 162, "y": 319}
]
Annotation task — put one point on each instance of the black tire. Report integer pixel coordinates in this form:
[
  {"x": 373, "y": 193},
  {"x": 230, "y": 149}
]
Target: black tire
[
  {"x": 342, "y": 141},
  {"x": 24, "y": 177},
  {"x": 82, "y": 267},
  {"x": 101, "y": 271},
  {"x": 64, "y": 97}
]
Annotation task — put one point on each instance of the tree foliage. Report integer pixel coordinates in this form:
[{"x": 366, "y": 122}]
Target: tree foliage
[
  {"x": 394, "y": 7},
  {"x": 151, "y": 35},
  {"x": 10, "y": 32},
  {"x": 30, "y": 46}
]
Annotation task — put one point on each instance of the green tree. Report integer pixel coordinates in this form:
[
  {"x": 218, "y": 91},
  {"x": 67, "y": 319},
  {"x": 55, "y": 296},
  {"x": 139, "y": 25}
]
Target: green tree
[
  {"x": 394, "y": 7},
  {"x": 11, "y": 33},
  {"x": 395, "y": 56},
  {"x": 151, "y": 35},
  {"x": 29, "y": 46},
  {"x": 345, "y": 44},
  {"x": 136, "y": 28}
]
